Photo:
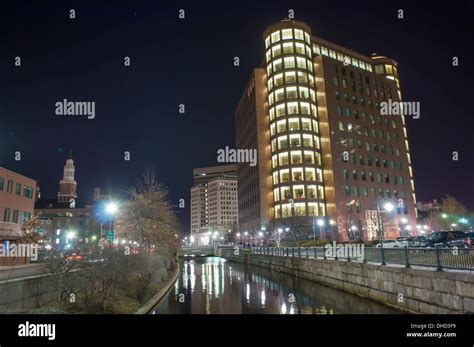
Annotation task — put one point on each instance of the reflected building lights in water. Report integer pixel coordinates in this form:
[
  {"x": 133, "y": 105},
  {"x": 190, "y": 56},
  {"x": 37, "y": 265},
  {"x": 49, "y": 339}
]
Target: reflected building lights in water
[
  {"x": 192, "y": 277},
  {"x": 270, "y": 293},
  {"x": 216, "y": 275},
  {"x": 185, "y": 275},
  {"x": 203, "y": 278}
]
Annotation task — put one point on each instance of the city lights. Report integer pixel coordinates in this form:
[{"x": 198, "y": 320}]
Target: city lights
[
  {"x": 111, "y": 208},
  {"x": 388, "y": 207}
]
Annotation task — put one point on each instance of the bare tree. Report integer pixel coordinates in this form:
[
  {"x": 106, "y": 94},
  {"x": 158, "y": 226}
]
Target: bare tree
[{"x": 148, "y": 217}]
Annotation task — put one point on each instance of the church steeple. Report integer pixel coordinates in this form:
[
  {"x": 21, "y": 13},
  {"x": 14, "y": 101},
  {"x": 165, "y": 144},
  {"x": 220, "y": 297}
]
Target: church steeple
[{"x": 68, "y": 186}]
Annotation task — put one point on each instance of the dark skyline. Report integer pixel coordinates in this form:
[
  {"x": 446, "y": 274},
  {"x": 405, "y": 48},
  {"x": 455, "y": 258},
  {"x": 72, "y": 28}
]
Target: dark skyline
[{"x": 190, "y": 62}]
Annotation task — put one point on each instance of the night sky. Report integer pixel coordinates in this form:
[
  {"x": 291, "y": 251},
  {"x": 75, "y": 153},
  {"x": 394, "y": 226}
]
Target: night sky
[{"x": 190, "y": 62}]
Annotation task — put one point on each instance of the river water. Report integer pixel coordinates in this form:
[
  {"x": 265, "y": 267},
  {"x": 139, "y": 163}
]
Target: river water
[{"x": 212, "y": 285}]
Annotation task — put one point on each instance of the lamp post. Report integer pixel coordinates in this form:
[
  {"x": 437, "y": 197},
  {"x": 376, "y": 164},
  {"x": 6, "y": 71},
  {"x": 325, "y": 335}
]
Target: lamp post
[
  {"x": 111, "y": 210},
  {"x": 320, "y": 223},
  {"x": 388, "y": 207},
  {"x": 403, "y": 227}
]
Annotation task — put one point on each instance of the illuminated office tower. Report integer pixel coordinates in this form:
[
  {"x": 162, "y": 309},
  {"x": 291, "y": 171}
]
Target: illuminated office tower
[{"x": 326, "y": 156}]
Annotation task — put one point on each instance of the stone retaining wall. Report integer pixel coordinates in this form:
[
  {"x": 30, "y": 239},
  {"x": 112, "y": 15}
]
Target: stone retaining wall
[{"x": 409, "y": 290}]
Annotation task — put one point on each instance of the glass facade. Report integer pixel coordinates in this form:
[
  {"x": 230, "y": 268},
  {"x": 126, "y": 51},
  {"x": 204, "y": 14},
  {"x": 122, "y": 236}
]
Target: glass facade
[{"x": 297, "y": 177}]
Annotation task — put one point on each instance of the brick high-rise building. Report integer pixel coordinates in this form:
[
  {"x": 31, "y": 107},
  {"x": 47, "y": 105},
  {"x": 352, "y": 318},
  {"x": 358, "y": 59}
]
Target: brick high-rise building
[{"x": 325, "y": 152}]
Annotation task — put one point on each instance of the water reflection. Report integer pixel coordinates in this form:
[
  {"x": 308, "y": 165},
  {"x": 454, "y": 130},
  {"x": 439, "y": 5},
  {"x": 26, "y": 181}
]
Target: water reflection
[{"x": 212, "y": 285}]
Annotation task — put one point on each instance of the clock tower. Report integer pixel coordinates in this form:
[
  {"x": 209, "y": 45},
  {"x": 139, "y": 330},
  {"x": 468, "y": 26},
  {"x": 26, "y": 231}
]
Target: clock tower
[{"x": 68, "y": 186}]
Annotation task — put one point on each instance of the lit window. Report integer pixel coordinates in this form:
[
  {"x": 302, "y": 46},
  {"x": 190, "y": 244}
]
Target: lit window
[
  {"x": 286, "y": 34},
  {"x": 275, "y": 178},
  {"x": 283, "y": 158},
  {"x": 316, "y": 49},
  {"x": 308, "y": 157},
  {"x": 291, "y": 93},
  {"x": 278, "y": 65},
  {"x": 310, "y": 174},
  {"x": 276, "y": 194},
  {"x": 297, "y": 174},
  {"x": 294, "y": 124},
  {"x": 296, "y": 157},
  {"x": 290, "y": 77},
  {"x": 275, "y": 36},
  {"x": 292, "y": 107},
  {"x": 295, "y": 140},
  {"x": 289, "y": 62},
  {"x": 299, "y": 34},
  {"x": 276, "y": 51},
  {"x": 288, "y": 48},
  {"x": 284, "y": 177},
  {"x": 301, "y": 62},
  {"x": 299, "y": 48},
  {"x": 298, "y": 192},
  {"x": 305, "y": 123},
  {"x": 304, "y": 108},
  {"x": 307, "y": 140},
  {"x": 312, "y": 208}
]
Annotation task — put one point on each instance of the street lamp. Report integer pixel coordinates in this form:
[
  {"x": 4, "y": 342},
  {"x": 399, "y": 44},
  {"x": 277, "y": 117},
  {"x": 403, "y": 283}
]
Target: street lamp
[
  {"x": 111, "y": 209},
  {"x": 388, "y": 207},
  {"x": 320, "y": 223}
]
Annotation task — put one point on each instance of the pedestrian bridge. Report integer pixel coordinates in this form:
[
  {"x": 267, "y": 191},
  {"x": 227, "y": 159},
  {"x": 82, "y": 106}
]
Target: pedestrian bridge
[{"x": 196, "y": 251}]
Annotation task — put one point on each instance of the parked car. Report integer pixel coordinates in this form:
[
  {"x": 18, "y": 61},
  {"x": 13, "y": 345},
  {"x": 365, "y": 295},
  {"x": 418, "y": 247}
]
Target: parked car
[
  {"x": 393, "y": 244},
  {"x": 416, "y": 241},
  {"x": 451, "y": 238},
  {"x": 74, "y": 257},
  {"x": 470, "y": 234}
]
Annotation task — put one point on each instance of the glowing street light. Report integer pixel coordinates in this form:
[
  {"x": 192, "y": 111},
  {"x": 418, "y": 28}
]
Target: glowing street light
[
  {"x": 71, "y": 235},
  {"x": 388, "y": 207},
  {"x": 404, "y": 220},
  {"x": 111, "y": 208},
  {"x": 287, "y": 229},
  {"x": 320, "y": 222},
  {"x": 463, "y": 221},
  {"x": 260, "y": 234},
  {"x": 238, "y": 235},
  {"x": 280, "y": 230},
  {"x": 444, "y": 215},
  {"x": 332, "y": 222},
  {"x": 354, "y": 228}
]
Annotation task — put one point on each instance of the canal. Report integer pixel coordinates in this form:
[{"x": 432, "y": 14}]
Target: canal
[{"x": 212, "y": 285}]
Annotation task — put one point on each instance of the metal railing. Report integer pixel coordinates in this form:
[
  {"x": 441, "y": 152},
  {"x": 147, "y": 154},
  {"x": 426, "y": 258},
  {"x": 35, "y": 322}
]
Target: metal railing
[{"x": 439, "y": 258}]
